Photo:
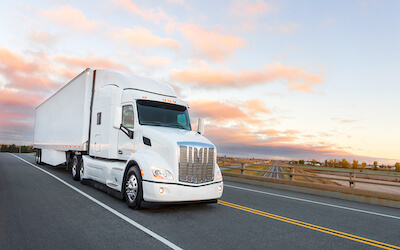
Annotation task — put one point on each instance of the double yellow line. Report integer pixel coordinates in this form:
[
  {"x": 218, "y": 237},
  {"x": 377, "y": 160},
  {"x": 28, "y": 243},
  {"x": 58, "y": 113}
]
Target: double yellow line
[{"x": 311, "y": 226}]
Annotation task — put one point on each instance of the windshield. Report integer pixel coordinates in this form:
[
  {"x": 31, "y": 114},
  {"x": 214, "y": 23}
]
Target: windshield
[{"x": 163, "y": 114}]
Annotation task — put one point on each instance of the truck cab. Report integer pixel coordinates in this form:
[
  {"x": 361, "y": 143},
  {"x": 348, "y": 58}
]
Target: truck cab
[{"x": 141, "y": 143}]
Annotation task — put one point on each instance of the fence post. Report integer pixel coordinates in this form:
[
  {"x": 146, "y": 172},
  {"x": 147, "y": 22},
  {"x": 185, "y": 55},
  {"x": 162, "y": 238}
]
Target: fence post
[
  {"x": 292, "y": 172},
  {"x": 352, "y": 184},
  {"x": 242, "y": 168}
]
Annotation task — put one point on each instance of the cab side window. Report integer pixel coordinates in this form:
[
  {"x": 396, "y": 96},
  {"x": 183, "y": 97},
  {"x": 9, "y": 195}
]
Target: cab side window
[{"x": 127, "y": 116}]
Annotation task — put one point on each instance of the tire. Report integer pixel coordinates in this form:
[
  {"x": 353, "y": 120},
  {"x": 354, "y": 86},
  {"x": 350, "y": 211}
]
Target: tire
[
  {"x": 75, "y": 167},
  {"x": 39, "y": 157},
  {"x": 133, "y": 189},
  {"x": 81, "y": 171},
  {"x": 69, "y": 161}
]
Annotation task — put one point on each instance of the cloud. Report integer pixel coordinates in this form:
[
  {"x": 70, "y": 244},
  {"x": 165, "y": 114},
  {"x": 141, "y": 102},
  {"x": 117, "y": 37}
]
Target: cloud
[
  {"x": 210, "y": 44},
  {"x": 348, "y": 121},
  {"x": 15, "y": 98},
  {"x": 251, "y": 8},
  {"x": 239, "y": 141},
  {"x": 204, "y": 76},
  {"x": 91, "y": 61},
  {"x": 175, "y": 1},
  {"x": 256, "y": 105},
  {"x": 70, "y": 17},
  {"x": 42, "y": 37},
  {"x": 21, "y": 73},
  {"x": 283, "y": 28},
  {"x": 154, "y": 15},
  {"x": 216, "y": 110},
  {"x": 154, "y": 62},
  {"x": 142, "y": 38}
]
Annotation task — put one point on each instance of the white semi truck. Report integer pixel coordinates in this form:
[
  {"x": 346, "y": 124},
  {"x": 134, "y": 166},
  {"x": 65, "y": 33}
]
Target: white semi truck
[{"x": 130, "y": 136}]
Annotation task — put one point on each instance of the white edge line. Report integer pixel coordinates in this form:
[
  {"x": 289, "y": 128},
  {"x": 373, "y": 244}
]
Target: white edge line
[
  {"x": 125, "y": 218},
  {"x": 315, "y": 202}
]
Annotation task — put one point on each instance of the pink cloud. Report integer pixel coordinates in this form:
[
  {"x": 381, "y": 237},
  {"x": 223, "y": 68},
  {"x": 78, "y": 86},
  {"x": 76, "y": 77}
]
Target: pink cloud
[
  {"x": 141, "y": 37},
  {"x": 154, "y": 15},
  {"x": 71, "y": 17},
  {"x": 21, "y": 73},
  {"x": 209, "y": 44},
  {"x": 221, "y": 113},
  {"x": 15, "y": 98},
  {"x": 251, "y": 8},
  {"x": 216, "y": 110},
  {"x": 42, "y": 37},
  {"x": 205, "y": 76},
  {"x": 154, "y": 62},
  {"x": 256, "y": 105},
  {"x": 91, "y": 61}
]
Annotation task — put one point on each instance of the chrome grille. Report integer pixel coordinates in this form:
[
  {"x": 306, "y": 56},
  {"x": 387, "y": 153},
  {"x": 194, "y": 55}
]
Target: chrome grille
[{"x": 196, "y": 163}]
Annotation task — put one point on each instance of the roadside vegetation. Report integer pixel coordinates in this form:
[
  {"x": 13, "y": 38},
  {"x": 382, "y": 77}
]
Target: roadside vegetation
[{"x": 16, "y": 149}]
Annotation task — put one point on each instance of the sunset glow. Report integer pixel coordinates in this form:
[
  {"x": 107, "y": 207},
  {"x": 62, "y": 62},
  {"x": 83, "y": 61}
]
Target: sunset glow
[{"x": 273, "y": 79}]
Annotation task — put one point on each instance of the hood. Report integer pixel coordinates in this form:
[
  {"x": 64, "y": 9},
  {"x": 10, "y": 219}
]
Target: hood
[{"x": 172, "y": 135}]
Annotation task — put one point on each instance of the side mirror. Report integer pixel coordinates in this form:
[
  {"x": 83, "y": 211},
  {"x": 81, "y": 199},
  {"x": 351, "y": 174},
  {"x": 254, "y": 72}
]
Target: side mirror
[
  {"x": 117, "y": 117},
  {"x": 200, "y": 126}
]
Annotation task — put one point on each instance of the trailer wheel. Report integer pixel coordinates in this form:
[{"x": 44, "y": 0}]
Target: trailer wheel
[
  {"x": 38, "y": 157},
  {"x": 133, "y": 190},
  {"x": 81, "y": 171},
  {"x": 75, "y": 167}
]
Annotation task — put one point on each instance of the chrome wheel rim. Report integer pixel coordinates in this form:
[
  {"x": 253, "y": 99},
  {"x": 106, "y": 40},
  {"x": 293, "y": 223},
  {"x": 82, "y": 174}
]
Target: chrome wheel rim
[
  {"x": 73, "y": 169},
  {"x": 131, "y": 188},
  {"x": 81, "y": 172}
]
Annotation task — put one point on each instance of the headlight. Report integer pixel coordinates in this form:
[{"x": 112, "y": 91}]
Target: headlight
[
  {"x": 219, "y": 176},
  {"x": 160, "y": 173}
]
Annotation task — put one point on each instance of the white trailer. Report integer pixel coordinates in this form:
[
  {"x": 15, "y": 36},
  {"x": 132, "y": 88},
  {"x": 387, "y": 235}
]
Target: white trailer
[{"x": 130, "y": 136}]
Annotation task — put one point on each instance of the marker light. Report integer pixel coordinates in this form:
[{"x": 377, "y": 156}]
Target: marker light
[
  {"x": 220, "y": 188},
  {"x": 161, "y": 190},
  {"x": 160, "y": 173},
  {"x": 219, "y": 176}
]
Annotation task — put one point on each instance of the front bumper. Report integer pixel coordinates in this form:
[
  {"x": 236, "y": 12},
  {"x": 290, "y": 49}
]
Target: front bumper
[{"x": 178, "y": 193}]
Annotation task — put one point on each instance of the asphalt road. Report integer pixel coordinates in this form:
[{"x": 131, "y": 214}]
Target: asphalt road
[
  {"x": 272, "y": 172},
  {"x": 38, "y": 211}
]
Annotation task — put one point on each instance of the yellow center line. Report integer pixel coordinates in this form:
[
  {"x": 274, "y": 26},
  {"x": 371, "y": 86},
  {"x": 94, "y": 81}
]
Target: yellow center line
[{"x": 311, "y": 226}]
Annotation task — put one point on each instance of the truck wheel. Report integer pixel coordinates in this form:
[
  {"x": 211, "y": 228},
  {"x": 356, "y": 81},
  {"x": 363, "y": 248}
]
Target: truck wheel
[
  {"x": 39, "y": 157},
  {"x": 75, "y": 167},
  {"x": 81, "y": 171},
  {"x": 133, "y": 191}
]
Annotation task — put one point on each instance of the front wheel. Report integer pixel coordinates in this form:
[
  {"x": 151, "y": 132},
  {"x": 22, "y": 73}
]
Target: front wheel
[{"x": 133, "y": 191}]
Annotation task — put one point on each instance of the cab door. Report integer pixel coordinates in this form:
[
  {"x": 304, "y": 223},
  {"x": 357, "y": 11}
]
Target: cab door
[{"x": 126, "y": 134}]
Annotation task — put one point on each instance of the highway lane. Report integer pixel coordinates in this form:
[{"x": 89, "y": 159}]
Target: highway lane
[
  {"x": 272, "y": 172},
  {"x": 39, "y": 211}
]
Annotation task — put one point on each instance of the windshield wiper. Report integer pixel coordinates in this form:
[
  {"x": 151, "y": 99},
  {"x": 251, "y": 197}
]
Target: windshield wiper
[{"x": 178, "y": 126}]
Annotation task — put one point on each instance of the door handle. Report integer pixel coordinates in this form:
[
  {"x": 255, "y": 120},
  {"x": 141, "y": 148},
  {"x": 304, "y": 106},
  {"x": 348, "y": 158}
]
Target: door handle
[{"x": 120, "y": 152}]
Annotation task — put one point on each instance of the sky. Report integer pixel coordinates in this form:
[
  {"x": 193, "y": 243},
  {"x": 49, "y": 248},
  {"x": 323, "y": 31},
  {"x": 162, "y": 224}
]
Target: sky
[{"x": 274, "y": 79}]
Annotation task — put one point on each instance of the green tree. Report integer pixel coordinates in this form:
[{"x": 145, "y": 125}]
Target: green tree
[
  {"x": 4, "y": 148},
  {"x": 375, "y": 165},
  {"x": 355, "y": 164},
  {"x": 13, "y": 148},
  {"x": 301, "y": 162},
  {"x": 397, "y": 166}
]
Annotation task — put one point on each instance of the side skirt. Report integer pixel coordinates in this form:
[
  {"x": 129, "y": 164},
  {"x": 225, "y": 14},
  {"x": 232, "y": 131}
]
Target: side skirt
[{"x": 104, "y": 188}]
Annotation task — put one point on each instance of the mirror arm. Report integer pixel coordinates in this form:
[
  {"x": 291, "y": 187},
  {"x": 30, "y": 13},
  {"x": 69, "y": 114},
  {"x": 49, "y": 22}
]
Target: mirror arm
[{"x": 126, "y": 131}]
